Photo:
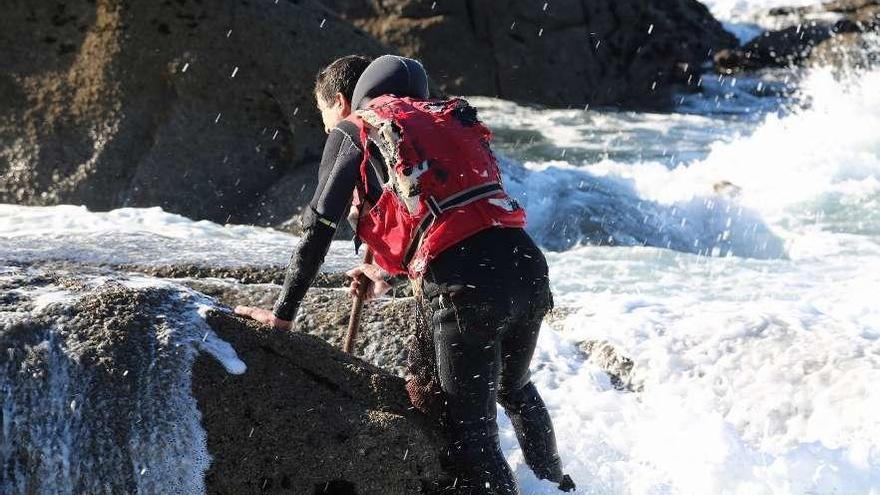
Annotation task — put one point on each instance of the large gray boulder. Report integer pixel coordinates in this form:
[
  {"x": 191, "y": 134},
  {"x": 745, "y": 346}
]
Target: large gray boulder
[{"x": 386, "y": 325}]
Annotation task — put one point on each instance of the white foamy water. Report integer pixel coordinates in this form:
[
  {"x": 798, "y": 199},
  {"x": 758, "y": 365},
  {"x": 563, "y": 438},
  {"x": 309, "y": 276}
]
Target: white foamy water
[
  {"x": 146, "y": 236},
  {"x": 759, "y": 375}
]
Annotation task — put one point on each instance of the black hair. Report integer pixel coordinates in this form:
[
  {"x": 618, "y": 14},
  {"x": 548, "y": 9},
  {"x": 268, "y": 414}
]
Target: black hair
[{"x": 340, "y": 76}]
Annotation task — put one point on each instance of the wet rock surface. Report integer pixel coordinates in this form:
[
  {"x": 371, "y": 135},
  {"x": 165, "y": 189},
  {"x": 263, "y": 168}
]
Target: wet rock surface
[
  {"x": 386, "y": 327},
  {"x": 307, "y": 418},
  {"x": 605, "y": 355},
  {"x": 847, "y": 50},
  {"x": 106, "y": 368},
  {"x": 386, "y": 324},
  {"x": 630, "y": 53},
  {"x": 612, "y": 361},
  {"x": 96, "y": 388}
]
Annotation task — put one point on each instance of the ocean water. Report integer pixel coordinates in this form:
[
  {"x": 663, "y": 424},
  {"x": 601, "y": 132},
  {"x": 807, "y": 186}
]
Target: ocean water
[
  {"x": 730, "y": 250},
  {"x": 757, "y": 348}
]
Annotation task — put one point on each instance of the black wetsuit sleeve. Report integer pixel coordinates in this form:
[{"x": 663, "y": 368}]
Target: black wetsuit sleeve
[{"x": 337, "y": 176}]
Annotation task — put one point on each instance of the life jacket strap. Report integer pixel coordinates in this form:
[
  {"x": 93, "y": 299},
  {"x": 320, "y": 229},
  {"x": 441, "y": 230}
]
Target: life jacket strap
[
  {"x": 469, "y": 195},
  {"x": 461, "y": 198}
]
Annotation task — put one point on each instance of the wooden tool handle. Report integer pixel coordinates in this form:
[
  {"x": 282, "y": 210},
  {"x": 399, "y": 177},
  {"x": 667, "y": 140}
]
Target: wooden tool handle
[{"x": 356, "y": 306}]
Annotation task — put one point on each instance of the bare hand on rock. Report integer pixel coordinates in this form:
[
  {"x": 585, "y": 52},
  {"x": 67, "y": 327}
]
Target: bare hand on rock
[{"x": 263, "y": 316}]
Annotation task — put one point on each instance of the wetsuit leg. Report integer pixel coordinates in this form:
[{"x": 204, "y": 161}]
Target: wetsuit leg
[
  {"x": 487, "y": 297},
  {"x": 517, "y": 394},
  {"x": 468, "y": 363},
  {"x": 526, "y": 410}
]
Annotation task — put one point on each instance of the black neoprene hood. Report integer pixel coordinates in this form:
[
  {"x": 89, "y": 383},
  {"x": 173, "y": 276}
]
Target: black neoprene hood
[{"x": 390, "y": 74}]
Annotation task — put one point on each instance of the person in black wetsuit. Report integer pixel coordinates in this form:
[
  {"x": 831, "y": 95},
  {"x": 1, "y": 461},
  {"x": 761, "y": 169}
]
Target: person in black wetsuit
[{"x": 483, "y": 299}]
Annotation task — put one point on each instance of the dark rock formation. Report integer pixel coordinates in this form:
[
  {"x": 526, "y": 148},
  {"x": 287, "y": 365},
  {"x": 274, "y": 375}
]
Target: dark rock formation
[
  {"x": 308, "y": 419},
  {"x": 787, "y": 47},
  {"x": 846, "y": 50},
  {"x": 201, "y": 108},
  {"x": 618, "y": 52},
  {"x": 851, "y": 49},
  {"x": 810, "y": 39}
]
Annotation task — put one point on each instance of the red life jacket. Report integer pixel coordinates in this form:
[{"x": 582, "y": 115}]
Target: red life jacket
[{"x": 442, "y": 182}]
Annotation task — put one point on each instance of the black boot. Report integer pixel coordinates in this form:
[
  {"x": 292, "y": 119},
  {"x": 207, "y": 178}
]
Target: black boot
[
  {"x": 473, "y": 456},
  {"x": 534, "y": 431},
  {"x": 566, "y": 485}
]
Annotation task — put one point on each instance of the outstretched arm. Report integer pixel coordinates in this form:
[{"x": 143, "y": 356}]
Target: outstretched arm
[{"x": 337, "y": 177}]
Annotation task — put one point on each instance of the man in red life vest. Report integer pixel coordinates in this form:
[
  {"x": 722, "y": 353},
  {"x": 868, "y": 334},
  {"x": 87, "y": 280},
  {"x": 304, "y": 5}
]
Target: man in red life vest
[{"x": 427, "y": 197}]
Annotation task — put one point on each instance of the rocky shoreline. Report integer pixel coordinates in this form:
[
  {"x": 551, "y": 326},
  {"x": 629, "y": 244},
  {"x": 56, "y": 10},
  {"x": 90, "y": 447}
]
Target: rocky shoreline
[
  {"x": 303, "y": 418},
  {"x": 208, "y": 112}
]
